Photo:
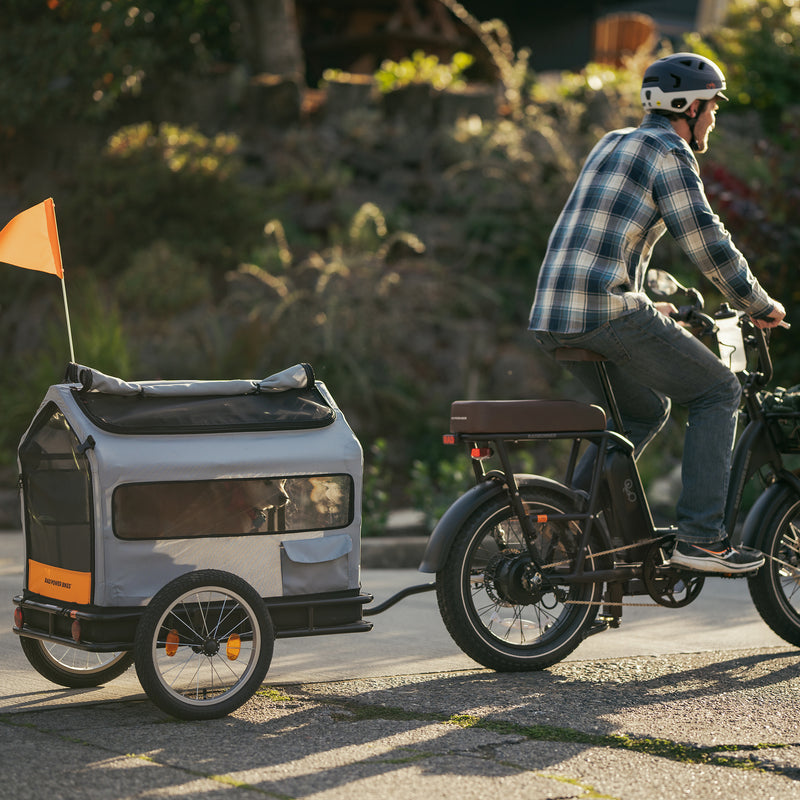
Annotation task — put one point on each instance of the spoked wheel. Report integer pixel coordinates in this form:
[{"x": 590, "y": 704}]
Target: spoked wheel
[
  {"x": 496, "y": 607},
  {"x": 775, "y": 588},
  {"x": 203, "y": 645},
  {"x": 71, "y": 666}
]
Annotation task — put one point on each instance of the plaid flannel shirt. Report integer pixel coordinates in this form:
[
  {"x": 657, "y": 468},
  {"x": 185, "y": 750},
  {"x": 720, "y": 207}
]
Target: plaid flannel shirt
[{"x": 636, "y": 184}]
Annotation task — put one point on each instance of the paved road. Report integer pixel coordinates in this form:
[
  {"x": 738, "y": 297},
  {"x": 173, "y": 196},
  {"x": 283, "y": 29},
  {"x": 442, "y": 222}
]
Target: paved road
[
  {"x": 410, "y": 638},
  {"x": 702, "y": 702}
]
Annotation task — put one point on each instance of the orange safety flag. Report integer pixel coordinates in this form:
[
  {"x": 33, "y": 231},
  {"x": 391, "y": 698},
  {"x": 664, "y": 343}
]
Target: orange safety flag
[{"x": 30, "y": 240}]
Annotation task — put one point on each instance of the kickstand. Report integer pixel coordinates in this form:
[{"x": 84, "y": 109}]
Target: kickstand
[{"x": 611, "y": 612}]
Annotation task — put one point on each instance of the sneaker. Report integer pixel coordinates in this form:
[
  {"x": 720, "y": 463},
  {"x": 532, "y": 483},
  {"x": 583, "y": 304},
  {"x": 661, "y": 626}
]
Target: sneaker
[{"x": 717, "y": 557}]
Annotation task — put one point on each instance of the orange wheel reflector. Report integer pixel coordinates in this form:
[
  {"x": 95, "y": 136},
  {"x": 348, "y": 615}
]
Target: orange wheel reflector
[
  {"x": 541, "y": 518},
  {"x": 234, "y": 647},
  {"x": 173, "y": 640}
]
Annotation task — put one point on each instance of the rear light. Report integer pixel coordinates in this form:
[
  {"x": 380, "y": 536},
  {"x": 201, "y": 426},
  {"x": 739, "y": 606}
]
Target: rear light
[
  {"x": 18, "y": 620},
  {"x": 448, "y": 438},
  {"x": 480, "y": 453}
]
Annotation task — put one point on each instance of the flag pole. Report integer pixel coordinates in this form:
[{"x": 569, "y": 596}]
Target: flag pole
[
  {"x": 69, "y": 327},
  {"x": 63, "y": 282}
]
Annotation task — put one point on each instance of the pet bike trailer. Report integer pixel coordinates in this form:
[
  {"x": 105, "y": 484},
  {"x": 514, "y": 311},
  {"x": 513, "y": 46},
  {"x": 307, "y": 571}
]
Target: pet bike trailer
[{"x": 184, "y": 526}]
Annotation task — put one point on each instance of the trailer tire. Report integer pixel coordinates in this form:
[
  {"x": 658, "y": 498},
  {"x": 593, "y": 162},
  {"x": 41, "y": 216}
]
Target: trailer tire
[
  {"x": 71, "y": 666},
  {"x": 203, "y": 645}
]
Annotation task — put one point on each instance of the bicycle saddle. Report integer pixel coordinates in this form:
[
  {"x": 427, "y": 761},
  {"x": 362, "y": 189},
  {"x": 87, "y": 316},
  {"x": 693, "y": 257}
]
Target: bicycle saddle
[{"x": 524, "y": 416}]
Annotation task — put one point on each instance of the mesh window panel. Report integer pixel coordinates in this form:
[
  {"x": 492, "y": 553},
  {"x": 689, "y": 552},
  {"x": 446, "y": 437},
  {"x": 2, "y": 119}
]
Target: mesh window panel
[
  {"x": 237, "y": 507},
  {"x": 57, "y": 492}
]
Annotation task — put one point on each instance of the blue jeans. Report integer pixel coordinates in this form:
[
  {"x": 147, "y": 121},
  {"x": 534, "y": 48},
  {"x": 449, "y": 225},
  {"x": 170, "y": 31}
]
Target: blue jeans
[{"x": 652, "y": 360}]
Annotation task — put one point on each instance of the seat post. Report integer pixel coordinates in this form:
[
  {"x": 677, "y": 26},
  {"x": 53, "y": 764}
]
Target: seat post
[{"x": 602, "y": 374}]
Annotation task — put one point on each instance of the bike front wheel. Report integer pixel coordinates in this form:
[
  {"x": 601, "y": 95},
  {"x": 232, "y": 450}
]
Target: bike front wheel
[
  {"x": 498, "y": 610},
  {"x": 775, "y": 588}
]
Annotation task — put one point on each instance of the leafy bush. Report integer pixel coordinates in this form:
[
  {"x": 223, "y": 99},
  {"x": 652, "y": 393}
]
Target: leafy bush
[
  {"x": 375, "y": 316},
  {"x": 160, "y": 183},
  {"x": 399, "y": 260},
  {"x": 432, "y": 488},
  {"x": 759, "y": 47},
  {"x": 422, "y": 68},
  {"x": 38, "y": 349},
  {"x": 376, "y": 495},
  {"x": 77, "y": 59},
  {"x": 162, "y": 281}
]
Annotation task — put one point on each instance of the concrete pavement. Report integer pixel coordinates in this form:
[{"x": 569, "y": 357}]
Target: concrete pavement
[{"x": 701, "y": 702}]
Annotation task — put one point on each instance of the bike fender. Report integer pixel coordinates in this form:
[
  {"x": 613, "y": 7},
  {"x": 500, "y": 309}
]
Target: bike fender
[
  {"x": 760, "y": 514},
  {"x": 451, "y": 521}
]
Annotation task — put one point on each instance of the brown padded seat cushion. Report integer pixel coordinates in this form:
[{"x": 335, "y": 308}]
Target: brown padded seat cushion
[{"x": 524, "y": 416}]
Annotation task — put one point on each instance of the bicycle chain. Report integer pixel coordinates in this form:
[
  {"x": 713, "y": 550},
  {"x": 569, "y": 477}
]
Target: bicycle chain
[
  {"x": 640, "y": 605},
  {"x": 642, "y": 543}
]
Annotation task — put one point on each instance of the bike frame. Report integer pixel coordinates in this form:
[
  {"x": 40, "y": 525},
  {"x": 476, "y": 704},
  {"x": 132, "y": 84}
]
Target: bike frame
[
  {"x": 590, "y": 518},
  {"x": 755, "y": 448}
]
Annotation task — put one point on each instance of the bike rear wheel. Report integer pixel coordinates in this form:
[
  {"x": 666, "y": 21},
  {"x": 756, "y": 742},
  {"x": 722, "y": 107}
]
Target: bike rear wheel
[
  {"x": 775, "y": 588},
  {"x": 489, "y": 596}
]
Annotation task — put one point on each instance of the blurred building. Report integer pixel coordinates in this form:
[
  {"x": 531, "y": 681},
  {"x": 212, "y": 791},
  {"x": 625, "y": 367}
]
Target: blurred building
[
  {"x": 357, "y": 35},
  {"x": 577, "y": 31}
]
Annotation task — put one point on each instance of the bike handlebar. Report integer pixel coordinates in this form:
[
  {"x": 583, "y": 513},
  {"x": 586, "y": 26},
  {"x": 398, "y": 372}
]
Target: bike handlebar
[
  {"x": 755, "y": 338},
  {"x": 662, "y": 284},
  {"x": 758, "y": 336}
]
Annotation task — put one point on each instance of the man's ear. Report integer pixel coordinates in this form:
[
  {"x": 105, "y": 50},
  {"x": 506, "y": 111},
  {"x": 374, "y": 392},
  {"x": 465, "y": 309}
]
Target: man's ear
[{"x": 691, "y": 110}]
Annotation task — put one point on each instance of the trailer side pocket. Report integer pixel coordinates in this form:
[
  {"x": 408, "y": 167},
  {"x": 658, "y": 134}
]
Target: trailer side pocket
[{"x": 310, "y": 566}]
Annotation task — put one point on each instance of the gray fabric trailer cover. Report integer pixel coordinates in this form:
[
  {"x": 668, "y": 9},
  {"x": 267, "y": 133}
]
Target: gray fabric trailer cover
[{"x": 296, "y": 475}]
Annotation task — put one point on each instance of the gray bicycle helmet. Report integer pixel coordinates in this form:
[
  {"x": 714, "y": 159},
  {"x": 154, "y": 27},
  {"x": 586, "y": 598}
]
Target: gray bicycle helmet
[{"x": 672, "y": 83}]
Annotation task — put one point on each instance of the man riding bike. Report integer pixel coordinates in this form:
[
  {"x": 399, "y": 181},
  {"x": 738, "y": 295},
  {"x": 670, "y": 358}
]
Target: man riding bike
[{"x": 636, "y": 184}]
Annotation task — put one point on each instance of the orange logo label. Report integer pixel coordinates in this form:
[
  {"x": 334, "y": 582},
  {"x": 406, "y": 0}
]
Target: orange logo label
[{"x": 60, "y": 584}]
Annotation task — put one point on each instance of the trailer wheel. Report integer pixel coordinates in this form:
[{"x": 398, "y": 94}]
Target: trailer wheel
[
  {"x": 203, "y": 645},
  {"x": 71, "y": 666}
]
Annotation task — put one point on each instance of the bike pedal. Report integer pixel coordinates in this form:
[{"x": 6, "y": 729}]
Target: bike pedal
[{"x": 734, "y": 575}]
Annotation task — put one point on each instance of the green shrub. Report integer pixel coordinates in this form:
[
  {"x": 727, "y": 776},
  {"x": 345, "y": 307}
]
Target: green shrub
[
  {"x": 759, "y": 47},
  {"x": 78, "y": 59},
  {"x": 422, "y": 68},
  {"x": 160, "y": 183},
  {"x": 433, "y": 487},
  {"x": 377, "y": 481},
  {"x": 162, "y": 281},
  {"x": 40, "y": 360}
]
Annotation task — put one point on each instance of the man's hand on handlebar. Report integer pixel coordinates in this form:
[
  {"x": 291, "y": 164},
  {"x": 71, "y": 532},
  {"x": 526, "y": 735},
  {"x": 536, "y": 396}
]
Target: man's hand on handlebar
[
  {"x": 665, "y": 308},
  {"x": 774, "y": 319},
  {"x": 679, "y": 315}
]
